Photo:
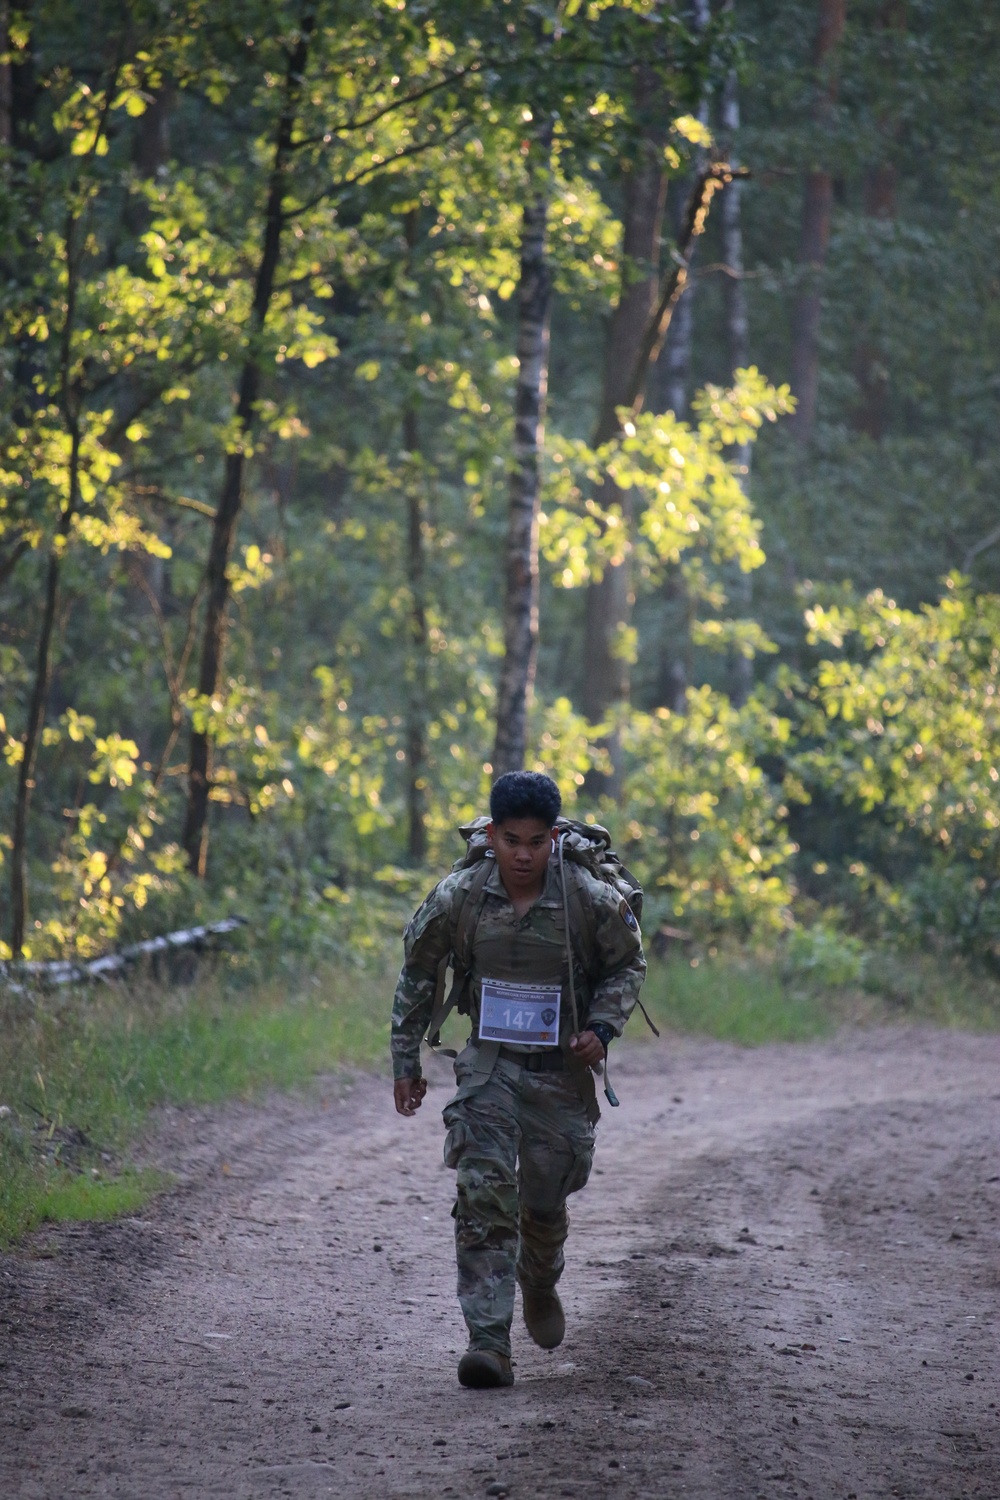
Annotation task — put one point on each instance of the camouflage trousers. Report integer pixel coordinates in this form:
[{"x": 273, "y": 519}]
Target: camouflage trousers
[{"x": 521, "y": 1143}]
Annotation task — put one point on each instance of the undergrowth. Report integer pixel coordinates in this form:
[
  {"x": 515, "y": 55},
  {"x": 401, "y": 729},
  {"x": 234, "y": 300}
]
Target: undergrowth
[
  {"x": 795, "y": 995},
  {"x": 80, "y": 1072}
]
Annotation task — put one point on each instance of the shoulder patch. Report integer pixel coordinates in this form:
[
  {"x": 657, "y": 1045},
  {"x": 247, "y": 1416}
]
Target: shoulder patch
[{"x": 628, "y": 915}]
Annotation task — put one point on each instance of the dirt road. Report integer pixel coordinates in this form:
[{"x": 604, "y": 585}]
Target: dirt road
[{"x": 782, "y": 1281}]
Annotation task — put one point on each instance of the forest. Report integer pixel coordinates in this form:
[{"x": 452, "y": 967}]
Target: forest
[{"x": 395, "y": 393}]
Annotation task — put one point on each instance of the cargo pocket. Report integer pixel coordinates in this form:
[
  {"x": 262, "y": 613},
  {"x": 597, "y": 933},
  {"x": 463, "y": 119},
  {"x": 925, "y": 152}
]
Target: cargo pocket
[
  {"x": 457, "y": 1138},
  {"x": 579, "y": 1173}
]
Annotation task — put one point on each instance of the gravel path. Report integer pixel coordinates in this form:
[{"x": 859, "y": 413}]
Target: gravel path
[{"x": 782, "y": 1281}]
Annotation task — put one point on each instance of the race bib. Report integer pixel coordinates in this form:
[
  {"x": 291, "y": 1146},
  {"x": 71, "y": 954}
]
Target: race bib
[{"x": 522, "y": 1013}]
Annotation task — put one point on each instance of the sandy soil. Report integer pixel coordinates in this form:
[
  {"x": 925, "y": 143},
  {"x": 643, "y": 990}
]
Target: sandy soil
[{"x": 782, "y": 1281}]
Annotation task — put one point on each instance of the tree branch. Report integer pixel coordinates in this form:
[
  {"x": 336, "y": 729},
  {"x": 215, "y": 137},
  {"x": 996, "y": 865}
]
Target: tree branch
[
  {"x": 353, "y": 125},
  {"x": 989, "y": 540},
  {"x": 10, "y": 563},
  {"x": 336, "y": 188},
  {"x": 153, "y": 492},
  {"x": 715, "y": 176}
]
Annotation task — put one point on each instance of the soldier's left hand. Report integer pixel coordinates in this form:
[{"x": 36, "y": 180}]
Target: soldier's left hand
[{"x": 587, "y": 1048}]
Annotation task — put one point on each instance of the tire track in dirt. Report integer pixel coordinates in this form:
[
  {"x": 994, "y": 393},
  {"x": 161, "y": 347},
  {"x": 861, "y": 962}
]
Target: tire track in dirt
[{"x": 779, "y": 1280}]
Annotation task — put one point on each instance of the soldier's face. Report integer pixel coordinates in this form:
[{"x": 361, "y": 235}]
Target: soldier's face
[{"x": 522, "y": 847}]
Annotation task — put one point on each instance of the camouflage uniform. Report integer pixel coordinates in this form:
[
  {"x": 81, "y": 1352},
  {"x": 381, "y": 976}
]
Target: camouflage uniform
[{"x": 521, "y": 1140}]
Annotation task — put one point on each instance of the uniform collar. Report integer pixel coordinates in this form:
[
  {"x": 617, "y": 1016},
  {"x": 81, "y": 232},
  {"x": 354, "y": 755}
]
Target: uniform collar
[{"x": 551, "y": 891}]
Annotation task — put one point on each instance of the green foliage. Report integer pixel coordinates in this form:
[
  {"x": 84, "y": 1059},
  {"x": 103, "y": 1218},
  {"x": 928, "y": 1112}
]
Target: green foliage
[
  {"x": 822, "y": 956},
  {"x": 364, "y": 629},
  {"x": 904, "y": 723},
  {"x": 386, "y": 363},
  {"x": 706, "y": 827},
  {"x": 684, "y": 485}
]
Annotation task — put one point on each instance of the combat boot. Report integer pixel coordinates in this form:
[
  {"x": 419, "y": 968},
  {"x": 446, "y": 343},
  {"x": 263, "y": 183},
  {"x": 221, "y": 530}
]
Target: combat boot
[
  {"x": 543, "y": 1315},
  {"x": 484, "y": 1369}
]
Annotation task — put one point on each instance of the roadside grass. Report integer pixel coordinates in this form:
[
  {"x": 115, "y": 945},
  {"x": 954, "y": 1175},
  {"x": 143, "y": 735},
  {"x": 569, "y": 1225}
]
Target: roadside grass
[
  {"x": 753, "y": 998},
  {"x": 30, "y": 1195},
  {"x": 80, "y": 1072},
  {"x": 738, "y": 999}
]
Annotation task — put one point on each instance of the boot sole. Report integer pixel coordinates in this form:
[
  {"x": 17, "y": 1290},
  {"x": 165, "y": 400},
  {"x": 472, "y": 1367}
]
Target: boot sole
[
  {"x": 478, "y": 1371},
  {"x": 549, "y": 1331}
]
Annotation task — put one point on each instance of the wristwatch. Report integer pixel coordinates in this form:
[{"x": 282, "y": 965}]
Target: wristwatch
[{"x": 604, "y": 1033}]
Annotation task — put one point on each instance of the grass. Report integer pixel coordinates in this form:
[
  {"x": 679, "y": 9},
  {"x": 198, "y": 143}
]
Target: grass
[
  {"x": 735, "y": 1000},
  {"x": 30, "y": 1196},
  {"x": 756, "y": 998},
  {"x": 80, "y": 1073}
]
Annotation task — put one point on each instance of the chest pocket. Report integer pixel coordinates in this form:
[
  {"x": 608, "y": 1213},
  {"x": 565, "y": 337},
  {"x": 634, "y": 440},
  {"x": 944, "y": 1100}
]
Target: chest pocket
[{"x": 528, "y": 951}]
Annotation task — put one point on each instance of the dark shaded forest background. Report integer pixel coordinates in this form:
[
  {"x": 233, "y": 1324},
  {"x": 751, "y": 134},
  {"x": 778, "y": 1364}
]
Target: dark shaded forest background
[{"x": 276, "y": 281}]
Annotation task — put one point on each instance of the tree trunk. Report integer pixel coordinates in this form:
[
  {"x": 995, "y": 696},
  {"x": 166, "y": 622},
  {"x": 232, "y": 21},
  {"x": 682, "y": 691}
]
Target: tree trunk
[
  {"x": 6, "y": 78},
  {"x": 43, "y": 663},
  {"x": 633, "y": 350},
  {"x": 418, "y": 644},
  {"x": 18, "y": 81},
  {"x": 673, "y": 387},
  {"x": 737, "y": 339},
  {"x": 150, "y": 156},
  {"x": 195, "y": 835},
  {"x": 152, "y": 141},
  {"x": 609, "y": 602},
  {"x": 673, "y": 394},
  {"x": 871, "y": 372},
  {"x": 817, "y": 208},
  {"x": 36, "y": 719},
  {"x": 19, "y": 93},
  {"x": 416, "y": 667},
  {"x": 878, "y": 202},
  {"x": 517, "y": 675}
]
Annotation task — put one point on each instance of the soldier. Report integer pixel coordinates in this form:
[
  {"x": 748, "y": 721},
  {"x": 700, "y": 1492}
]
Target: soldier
[{"x": 521, "y": 1125}]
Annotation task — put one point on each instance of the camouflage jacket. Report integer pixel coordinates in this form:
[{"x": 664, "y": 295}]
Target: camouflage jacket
[{"x": 608, "y": 976}]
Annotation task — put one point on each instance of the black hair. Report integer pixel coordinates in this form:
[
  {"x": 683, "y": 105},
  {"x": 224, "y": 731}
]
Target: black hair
[{"x": 525, "y": 794}]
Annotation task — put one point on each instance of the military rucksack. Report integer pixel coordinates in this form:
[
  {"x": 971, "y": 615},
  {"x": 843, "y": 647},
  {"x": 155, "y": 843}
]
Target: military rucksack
[{"x": 584, "y": 845}]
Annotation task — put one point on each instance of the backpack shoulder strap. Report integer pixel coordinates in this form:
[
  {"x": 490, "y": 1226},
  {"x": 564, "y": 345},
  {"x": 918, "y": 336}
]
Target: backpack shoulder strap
[
  {"x": 583, "y": 920},
  {"x": 468, "y": 903},
  {"x": 466, "y": 915}
]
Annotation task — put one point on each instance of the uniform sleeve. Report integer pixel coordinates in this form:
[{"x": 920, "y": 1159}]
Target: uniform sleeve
[
  {"x": 620, "y": 965},
  {"x": 426, "y": 941}
]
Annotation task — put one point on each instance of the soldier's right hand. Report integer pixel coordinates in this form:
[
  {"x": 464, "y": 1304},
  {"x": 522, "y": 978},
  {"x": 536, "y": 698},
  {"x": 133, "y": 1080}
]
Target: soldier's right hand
[{"x": 408, "y": 1094}]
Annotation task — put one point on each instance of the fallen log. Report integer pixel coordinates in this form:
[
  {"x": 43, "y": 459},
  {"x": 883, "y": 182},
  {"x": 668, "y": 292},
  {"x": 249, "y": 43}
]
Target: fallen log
[{"x": 68, "y": 971}]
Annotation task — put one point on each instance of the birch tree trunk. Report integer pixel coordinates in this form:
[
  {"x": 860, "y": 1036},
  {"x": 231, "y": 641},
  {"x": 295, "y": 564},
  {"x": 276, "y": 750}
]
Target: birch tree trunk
[
  {"x": 674, "y": 387},
  {"x": 195, "y": 834},
  {"x": 814, "y": 238},
  {"x": 737, "y": 340},
  {"x": 520, "y": 620}
]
